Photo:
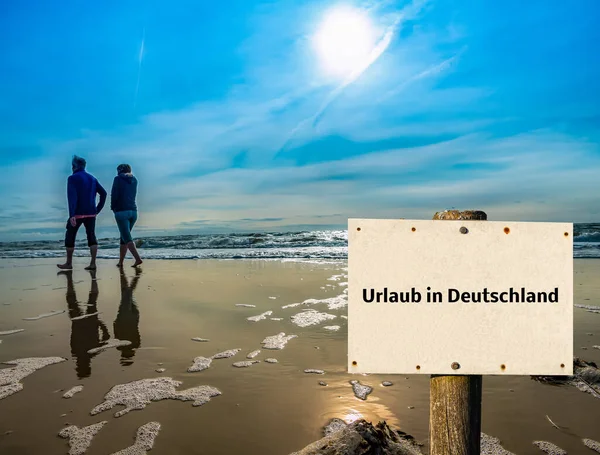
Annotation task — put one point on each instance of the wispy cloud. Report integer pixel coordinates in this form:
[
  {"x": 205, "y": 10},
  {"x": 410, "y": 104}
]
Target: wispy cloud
[{"x": 427, "y": 121}]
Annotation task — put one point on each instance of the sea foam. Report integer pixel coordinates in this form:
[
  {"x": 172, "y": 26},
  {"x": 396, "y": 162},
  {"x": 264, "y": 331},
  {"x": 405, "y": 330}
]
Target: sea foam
[
  {"x": 311, "y": 317},
  {"x": 112, "y": 343},
  {"x": 245, "y": 363},
  {"x": 549, "y": 448},
  {"x": 10, "y": 377},
  {"x": 200, "y": 363},
  {"x": 71, "y": 392},
  {"x": 591, "y": 444},
  {"x": 80, "y": 439},
  {"x": 360, "y": 391},
  {"x": 260, "y": 317},
  {"x": 144, "y": 440},
  {"x": 491, "y": 446},
  {"x": 44, "y": 315},
  {"x": 10, "y": 332},
  {"x": 137, "y": 395},
  {"x": 277, "y": 341}
]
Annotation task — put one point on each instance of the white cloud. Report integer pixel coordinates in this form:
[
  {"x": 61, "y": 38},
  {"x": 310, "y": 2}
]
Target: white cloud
[{"x": 183, "y": 158}]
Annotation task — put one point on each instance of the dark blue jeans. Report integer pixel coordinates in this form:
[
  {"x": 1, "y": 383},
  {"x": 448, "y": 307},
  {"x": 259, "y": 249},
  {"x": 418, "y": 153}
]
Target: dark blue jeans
[{"x": 125, "y": 221}]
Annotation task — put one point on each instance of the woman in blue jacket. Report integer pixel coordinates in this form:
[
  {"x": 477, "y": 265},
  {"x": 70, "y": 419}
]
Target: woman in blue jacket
[{"x": 122, "y": 203}]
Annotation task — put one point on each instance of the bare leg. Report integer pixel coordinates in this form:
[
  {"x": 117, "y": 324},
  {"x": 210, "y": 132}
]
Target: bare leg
[
  {"x": 122, "y": 253},
  {"x": 69, "y": 264},
  {"x": 136, "y": 256},
  {"x": 93, "y": 253}
]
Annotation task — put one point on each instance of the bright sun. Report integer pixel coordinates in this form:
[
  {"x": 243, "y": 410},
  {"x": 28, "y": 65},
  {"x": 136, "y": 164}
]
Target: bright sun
[{"x": 344, "y": 40}]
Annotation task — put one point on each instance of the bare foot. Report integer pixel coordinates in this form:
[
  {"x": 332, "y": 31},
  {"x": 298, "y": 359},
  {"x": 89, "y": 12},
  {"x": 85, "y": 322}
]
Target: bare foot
[
  {"x": 137, "y": 263},
  {"x": 119, "y": 264},
  {"x": 91, "y": 267},
  {"x": 65, "y": 266}
]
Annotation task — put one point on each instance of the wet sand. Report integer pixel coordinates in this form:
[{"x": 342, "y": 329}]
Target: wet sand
[{"x": 264, "y": 408}]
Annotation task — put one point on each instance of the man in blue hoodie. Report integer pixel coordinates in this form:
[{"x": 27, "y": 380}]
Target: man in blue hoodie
[{"x": 81, "y": 193}]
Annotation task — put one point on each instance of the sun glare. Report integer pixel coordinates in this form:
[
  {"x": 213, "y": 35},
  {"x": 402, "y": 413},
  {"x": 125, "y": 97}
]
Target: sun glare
[{"x": 344, "y": 40}]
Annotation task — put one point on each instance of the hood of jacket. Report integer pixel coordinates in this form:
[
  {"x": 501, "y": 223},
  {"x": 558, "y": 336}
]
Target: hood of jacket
[{"x": 127, "y": 177}]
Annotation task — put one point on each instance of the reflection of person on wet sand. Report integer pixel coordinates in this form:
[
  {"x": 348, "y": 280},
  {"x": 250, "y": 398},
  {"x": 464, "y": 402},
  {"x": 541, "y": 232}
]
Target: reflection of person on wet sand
[
  {"x": 85, "y": 332},
  {"x": 126, "y": 325}
]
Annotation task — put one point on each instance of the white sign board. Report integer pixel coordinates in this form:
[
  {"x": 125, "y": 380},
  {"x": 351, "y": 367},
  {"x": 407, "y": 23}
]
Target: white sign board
[{"x": 427, "y": 297}]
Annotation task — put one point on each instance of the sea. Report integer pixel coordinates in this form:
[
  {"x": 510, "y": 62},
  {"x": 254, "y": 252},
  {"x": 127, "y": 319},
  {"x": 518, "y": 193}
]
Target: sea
[{"x": 317, "y": 245}]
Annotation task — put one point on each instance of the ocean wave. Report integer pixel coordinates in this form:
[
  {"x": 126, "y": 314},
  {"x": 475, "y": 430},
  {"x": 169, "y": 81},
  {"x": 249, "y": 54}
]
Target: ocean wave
[
  {"x": 337, "y": 253},
  {"x": 278, "y": 245},
  {"x": 165, "y": 253},
  {"x": 588, "y": 237}
]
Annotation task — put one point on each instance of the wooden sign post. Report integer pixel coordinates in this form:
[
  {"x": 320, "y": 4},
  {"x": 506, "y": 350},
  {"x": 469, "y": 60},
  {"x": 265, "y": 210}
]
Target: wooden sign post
[
  {"x": 456, "y": 301},
  {"x": 455, "y": 401}
]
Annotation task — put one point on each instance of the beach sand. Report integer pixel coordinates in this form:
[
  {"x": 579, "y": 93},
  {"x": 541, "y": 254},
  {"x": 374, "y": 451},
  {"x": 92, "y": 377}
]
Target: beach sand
[{"x": 269, "y": 409}]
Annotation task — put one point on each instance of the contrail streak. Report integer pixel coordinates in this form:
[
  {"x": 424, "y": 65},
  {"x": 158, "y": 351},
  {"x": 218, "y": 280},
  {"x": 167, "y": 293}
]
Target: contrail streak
[
  {"x": 140, "y": 58},
  {"x": 431, "y": 71},
  {"x": 376, "y": 52},
  {"x": 407, "y": 12}
]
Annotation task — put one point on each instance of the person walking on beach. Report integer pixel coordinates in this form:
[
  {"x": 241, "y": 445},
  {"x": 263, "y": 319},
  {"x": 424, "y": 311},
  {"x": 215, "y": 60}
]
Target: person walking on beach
[
  {"x": 122, "y": 203},
  {"x": 82, "y": 189}
]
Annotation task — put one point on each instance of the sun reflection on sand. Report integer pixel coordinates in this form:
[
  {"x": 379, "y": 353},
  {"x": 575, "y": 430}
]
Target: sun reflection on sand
[
  {"x": 352, "y": 416},
  {"x": 349, "y": 410}
]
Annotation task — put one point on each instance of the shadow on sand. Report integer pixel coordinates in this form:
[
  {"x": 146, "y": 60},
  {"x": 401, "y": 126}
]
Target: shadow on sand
[{"x": 88, "y": 331}]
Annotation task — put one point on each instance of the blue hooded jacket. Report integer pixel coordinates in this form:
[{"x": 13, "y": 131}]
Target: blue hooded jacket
[
  {"x": 123, "y": 193},
  {"x": 81, "y": 194}
]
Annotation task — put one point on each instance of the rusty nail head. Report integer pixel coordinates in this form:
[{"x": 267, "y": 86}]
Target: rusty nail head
[
  {"x": 506, "y": 230},
  {"x": 358, "y": 229},
  {"x": 418, "y": 367},
  {"x": 455, "y": 366},
  {"x": 566, "y": 234},
  {"x": 354, "y": 363},
  {"x": 463, "y": 230},
  {"x": 414, "y": 229},
  {"x": 503, "y": 366},
  {"x": 562, "y": 365}
]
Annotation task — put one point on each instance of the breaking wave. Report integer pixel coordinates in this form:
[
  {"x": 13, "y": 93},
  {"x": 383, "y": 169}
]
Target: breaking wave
[{"x": 278, "y": 245}]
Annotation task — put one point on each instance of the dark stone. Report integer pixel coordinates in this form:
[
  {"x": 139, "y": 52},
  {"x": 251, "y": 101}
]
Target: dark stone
[
  {"x": 362, "y": 438},
  {"x": 586, "y": 377}
]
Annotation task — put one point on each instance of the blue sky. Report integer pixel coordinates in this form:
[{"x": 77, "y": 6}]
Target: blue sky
[{"x": 234, "y": 116}]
